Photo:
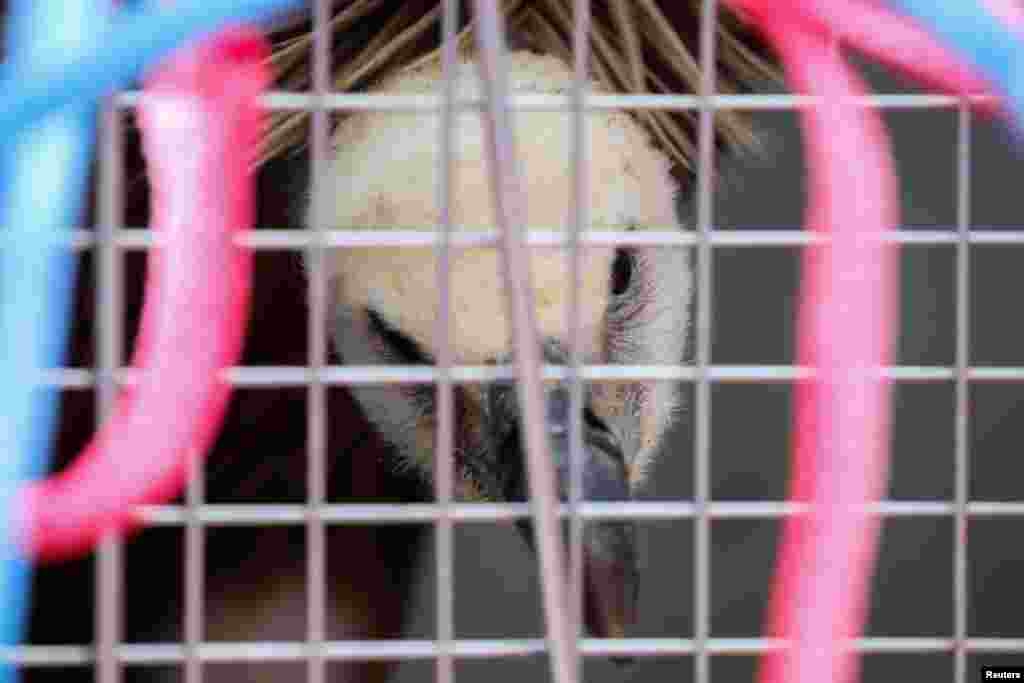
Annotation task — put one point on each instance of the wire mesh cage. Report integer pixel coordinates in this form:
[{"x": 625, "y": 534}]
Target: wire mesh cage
[{"x": 303, "y": 550}]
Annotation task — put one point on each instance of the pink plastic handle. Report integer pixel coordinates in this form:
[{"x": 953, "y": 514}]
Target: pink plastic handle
[
  {"x": 847, "y": 313},
  {"x": 842, "y": 433},
  {"x": 895, "y": 40},
  {"x": 201, "y": 122},
  {"x": 1007, "y": 11}
]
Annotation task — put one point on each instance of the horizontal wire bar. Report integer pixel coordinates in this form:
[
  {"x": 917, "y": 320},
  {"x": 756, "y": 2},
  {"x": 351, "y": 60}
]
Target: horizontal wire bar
[
  {"x": 282, "y": 376},
  {"x": 274, "y": 239},
  {"x": 395, "y": 650},
  {"x": 298, "y": 101},
  {"x": 424, "y": 513}
]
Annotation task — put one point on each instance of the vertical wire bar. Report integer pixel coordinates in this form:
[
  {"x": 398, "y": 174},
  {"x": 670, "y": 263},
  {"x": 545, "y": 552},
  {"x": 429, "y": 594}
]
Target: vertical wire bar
[
  {"x": 962, "y": 364},
  {"x": 444, "y": 478},
  {"x": 316, "y": 417},
  {"x": 510, "y": 213},
  {"x": 702, "y": 436},
  {"x": 107, "y": 333},
  {"x": 195, "y": 559},
  {"x": 580, "y": 221}
]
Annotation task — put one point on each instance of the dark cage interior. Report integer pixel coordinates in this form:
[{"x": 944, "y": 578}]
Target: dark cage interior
[{"x": 380, "y": 582}]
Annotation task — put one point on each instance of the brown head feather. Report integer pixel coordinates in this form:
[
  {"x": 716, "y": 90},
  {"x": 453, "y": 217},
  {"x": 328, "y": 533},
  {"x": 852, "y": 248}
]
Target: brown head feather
[{"x": 638, "y": 46}]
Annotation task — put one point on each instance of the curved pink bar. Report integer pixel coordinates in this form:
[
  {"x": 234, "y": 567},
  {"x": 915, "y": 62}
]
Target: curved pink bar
[
  {"x": 847, "y": 315},
  {"x": 897, "y": 41},
  {"x": 201, "y": 122},
  {"x": 1007, "y": 11},
  {"x": 892, "y": 38},
  {"x": 842, "y": 422}
]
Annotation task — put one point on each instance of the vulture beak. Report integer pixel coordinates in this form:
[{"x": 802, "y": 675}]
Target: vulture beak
[{"x": 610, "y": 573}]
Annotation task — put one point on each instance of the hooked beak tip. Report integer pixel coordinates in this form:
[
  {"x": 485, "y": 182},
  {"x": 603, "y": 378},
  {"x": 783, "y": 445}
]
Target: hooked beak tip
[
  {"x": 610, "y": 574},
  {"x": 611, "y": 581},
  {"x": 608, "y": 614}
]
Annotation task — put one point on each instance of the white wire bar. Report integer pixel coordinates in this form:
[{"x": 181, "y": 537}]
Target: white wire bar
[
  {"x": 961, "y": 466},
  {"x": 580, "y": 219},
  {"x": 47, "y": 656},
  {"x": 377, "y": 514},
  {"x": 195, "y": 575},
  {"x": 109, "y": 560},
  {"x": 704, "y": 300},
  {"x": 509, "y": 205},
  {"x": 316, "y": 411},
  {"x": 444, "y": 452},
  {"x": 280, "y": 376},
  {"x": 287, "y": 101},
  {"x": 292, "y": 239}
]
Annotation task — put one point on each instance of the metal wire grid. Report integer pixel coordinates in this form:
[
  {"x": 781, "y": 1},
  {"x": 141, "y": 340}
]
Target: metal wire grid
[{"x": 110, "y": 653}]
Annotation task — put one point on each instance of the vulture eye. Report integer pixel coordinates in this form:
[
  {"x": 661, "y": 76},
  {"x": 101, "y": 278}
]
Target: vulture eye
[{"x": 622, "y": 272}]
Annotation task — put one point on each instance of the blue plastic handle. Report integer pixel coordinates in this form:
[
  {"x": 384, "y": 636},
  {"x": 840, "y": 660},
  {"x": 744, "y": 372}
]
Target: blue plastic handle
[
  {"x": 138, "y": 38},
  {"x": 63, "y": 56},
  {"x": 43, "y": 170}
]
